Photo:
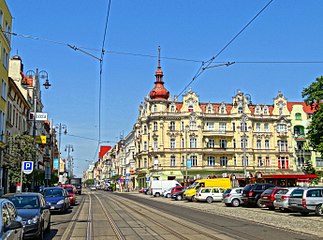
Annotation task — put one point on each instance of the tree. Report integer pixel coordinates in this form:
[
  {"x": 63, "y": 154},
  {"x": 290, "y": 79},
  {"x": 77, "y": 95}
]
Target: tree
[
  {"x": 313, "y": 96},
  {"x": 21, "y": 148}
]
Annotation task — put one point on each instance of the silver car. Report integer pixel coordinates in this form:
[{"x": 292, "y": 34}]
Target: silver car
[
  {"x": 232, "y": 197},
  {"x": 281, "y": 198},
  {"x": 307, "y": 200}
]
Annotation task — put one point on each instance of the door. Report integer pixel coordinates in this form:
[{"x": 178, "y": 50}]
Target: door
[{"x": 216, "y": 194}]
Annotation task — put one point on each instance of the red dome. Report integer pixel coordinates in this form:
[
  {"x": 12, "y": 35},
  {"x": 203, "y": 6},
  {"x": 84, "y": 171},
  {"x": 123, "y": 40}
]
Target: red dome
[{"x": 159, "y": 92}]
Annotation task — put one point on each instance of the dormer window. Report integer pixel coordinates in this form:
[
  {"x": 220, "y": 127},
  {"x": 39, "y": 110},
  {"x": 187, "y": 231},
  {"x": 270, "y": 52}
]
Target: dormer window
[
  {"x": 265, "y": 110},
  {"x": 155, "y": 108},
  {"x": 240, "y": 110},
  {"x": 298, "y": 116},
  {"x": 190, "y": 108},
  {"x": 209, "y": 109},
  {"x": 258, "y": 110},
  {"x": 172, "y": 108},
  {"x": 222, "y": 110}
]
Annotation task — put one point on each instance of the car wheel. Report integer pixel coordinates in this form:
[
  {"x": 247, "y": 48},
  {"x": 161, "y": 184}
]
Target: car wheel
[
  {"x": 209, "y": 199},
  {"x": 168, "y": 195},
  {"x": 157, "y": 194},
  {"x": 235, "y": 202},
  {"x": 193, "y": 199},
  {"x": 319, "y": 210},
  {"x": 179, "y": 197},
  {"x": 260, "y": 204}
]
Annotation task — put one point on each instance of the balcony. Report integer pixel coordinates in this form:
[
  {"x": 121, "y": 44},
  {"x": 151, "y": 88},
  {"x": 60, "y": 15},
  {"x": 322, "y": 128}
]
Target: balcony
[{"x": 219, "y": 133}]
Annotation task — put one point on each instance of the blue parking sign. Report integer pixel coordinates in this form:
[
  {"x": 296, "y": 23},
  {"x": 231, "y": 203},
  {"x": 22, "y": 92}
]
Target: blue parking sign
[{"x": 27, "y": 167}]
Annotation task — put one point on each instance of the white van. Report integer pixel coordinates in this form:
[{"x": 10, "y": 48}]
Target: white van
[{"x": 159, "y": 186}]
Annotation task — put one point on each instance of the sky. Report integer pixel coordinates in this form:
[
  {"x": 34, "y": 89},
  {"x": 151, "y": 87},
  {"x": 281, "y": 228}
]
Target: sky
[{"x": 188, "y": 32}]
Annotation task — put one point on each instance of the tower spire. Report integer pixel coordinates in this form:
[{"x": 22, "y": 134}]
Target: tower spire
[{"x": 159, "y": 67}]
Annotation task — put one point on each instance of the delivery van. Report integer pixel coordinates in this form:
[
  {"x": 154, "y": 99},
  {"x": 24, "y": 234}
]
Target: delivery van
[
  {"x": 190, "y": 192},
  {"x": 158, "y": 186}
]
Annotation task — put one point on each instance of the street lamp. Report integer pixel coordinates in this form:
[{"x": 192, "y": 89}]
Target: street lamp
[
  {"x": 60, "y": 127},
  {"x": 241, "y": 101},
  {"x": 36, "y": 97}
]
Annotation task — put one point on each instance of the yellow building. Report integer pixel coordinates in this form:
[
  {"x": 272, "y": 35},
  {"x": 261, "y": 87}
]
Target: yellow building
[
  {"x": 5, "y": 47},
  {"x": 175, "y": 139}
]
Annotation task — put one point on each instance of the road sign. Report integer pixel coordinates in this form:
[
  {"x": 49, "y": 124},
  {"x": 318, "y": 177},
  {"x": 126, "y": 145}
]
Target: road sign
[
  {"x": 147, "y": 179},
  {"x": 27, "y": 167}
]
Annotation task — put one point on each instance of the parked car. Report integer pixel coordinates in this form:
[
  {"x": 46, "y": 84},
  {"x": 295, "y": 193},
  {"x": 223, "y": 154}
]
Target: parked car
[
  {"x": 210, "y": 194},
  {"x": 108, "y": 188},
  {"x": 232, "y": 197},
  {"x": 281, "y": 198},
  {"x": 267, "y": 198},
  {"x": 167, "y": 193},
  {"x": 35, "y": 214},
  {"x": 251, "y": 193},
  {"x": 71, "y": 189},
  {"x": 93, "y": 188},
  {"x": 158, "y": 186},
  {"x": 178, "y": 195},
  {"x": 147, "y": 191},
  {"x": 57, "y": 198},
  {"x": 11, "y": 224},
  {"x": 307, "y": 200},
  {"x": 176, "y": 189}
]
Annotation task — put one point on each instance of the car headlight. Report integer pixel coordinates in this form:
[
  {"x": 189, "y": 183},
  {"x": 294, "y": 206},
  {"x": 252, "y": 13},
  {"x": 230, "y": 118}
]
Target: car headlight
[
  {"x": 48, "y": 203},
  {"x": 60, "y": 202},
  {"x": 33, "y": 220}
]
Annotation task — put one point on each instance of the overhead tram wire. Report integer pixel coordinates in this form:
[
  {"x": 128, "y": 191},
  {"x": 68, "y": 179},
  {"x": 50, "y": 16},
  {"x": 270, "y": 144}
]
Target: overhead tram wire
[{"x": 209, "y": 62}]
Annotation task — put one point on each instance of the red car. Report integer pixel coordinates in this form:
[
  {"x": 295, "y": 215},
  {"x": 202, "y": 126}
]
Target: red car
[
  {"x": 267, "y": 198},
  {"x": 71, "y": 189},
  {"x": 176, "y": 190}
]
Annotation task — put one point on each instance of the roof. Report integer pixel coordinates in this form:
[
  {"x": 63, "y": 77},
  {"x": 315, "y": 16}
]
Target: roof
[{"x": 306, "y": 108}]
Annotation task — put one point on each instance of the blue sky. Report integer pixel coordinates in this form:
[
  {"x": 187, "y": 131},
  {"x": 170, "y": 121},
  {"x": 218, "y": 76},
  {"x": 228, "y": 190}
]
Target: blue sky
[{"x": 288, "y": 30}]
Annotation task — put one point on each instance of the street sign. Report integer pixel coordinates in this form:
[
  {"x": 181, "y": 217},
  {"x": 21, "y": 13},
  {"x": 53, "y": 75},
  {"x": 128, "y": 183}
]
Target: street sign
[
  {"x": 147, "y": 179},
  {"x": 40, "y": 116},
  {"x": 27, "y": 167}
]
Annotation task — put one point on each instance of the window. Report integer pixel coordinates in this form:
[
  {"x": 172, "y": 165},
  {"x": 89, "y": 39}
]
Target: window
[
  {"x": 193, "y": 142},
  {"x": 267, "y": 162},
  {"x": 235, "y": 161},
  {"x": 1, "y": 18},
  {"x": 282, "y": 145},
  {"x": 145, "y": 129},
  {"x": 266, "y": 127},
  {"x": 192, "y": 125},
  {"x": 209, "y": 109},
  {"x": 298, "y": 116},
  {"x": 155, "y": 145},
  {"x": 190, "y": 108},
  {"x": 182, "y": 143},
  {"x": 240, "y": 110},
  {"x": 258, "y": 144},
  {"x": 172, "y": 161},
  {"x": 172, "y": 143},
  {"x": 222, "y": 110},
  {"x": 224, "y": 161},
  {"x": 314, "y": 193},
  {"x": 300, "y": 161},
  {"x": 172, "y": 108},
  {"x": 319, "y": 162},
  {"x": 172, "y": 126},
  {"x": 156, "y": 162},
  {"x": 182, "y": 126},
  {"x": 281, "y": 128},
  {"x": 222, "y": 127},
  {"x": 4, "y": 90},
  {"x": 260, "y": 163},
  {"x": 233, "y": 126},
  {"x": 267, "y": 146},
  {"x": 257, "y": 127},
  {"x": 194, "y": 160},
  {"x": 209, "y": 126},
  {"x": 242, "y": 143},
  {"x": 145, "y": 162},
  {"x": 245, "y": 163},
  {"x": 265, "y": 110},
  {"x": 245, "y": 127},
  {"x": 2, "y": 125},
  {"x": 223, "y": 143},
  {"x": 5, "y": 59},
  {"x": 258, "y": 110},
  {"x": 234, "y": 143},
  {"x": 283, "y": 162},
  {"x": 210, "y": 161},
  {"x": 210, "y": 143},
  {"x": 8, "y": 31},
  {"x": 155, "y": 126},
  {"x": 145, "y": 146},
  {"x": 155, "y": 108},
  {"x": 280, "y": 110}
]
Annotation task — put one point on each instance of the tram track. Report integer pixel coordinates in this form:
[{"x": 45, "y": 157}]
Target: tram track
[{"x": 167, "y": 223}]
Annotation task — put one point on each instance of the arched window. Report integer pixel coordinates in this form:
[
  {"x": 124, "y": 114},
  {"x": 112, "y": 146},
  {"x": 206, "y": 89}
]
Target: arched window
[{"x": 298, "y": 116}]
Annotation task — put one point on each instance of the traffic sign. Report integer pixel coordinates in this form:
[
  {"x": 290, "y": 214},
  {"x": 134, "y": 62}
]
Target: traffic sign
[
  {"x": 147, "y": 179},
  {"x": 27, "y": 167}
]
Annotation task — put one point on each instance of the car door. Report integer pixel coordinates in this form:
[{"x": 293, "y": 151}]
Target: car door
[
  {"x": 44, "y": 211},
  {"x": 215, "y": 194},
  {"x": 67, "y": 198}
]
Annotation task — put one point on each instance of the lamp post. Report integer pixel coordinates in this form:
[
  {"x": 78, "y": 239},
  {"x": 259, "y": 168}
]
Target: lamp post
[
  {"x": 60, "y": 127},
  {"x": 35, "y": 75},
  {"x": 241, "y": 101}
]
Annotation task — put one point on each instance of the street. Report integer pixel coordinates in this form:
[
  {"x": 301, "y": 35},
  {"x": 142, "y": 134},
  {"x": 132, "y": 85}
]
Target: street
[{"x": 106, "y": 215}]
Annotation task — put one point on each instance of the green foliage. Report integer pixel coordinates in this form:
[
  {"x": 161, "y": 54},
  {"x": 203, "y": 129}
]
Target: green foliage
[
  {"x": 89, "y": 182},
  {"x": 22, "y": 148},
  {"x": 313, "y": 96}
]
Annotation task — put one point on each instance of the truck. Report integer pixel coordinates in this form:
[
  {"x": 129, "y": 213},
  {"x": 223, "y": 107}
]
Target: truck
[
  {"x": 190, "y": 192},
  {"x": 77, "y": 182},
  {"x": 158, "y": 186}
]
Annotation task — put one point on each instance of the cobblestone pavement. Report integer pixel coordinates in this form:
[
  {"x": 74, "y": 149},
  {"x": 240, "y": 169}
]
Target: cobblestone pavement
[{"x": 292, "y": 221}]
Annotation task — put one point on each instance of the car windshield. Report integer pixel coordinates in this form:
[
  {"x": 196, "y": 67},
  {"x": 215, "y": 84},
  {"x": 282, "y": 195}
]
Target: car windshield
[
  {"x": 193, "y": 185},
  {"x": 25, "y": 202},
  {"x": 53, "y": 192},
  {"x": 69, "y": 190}
]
